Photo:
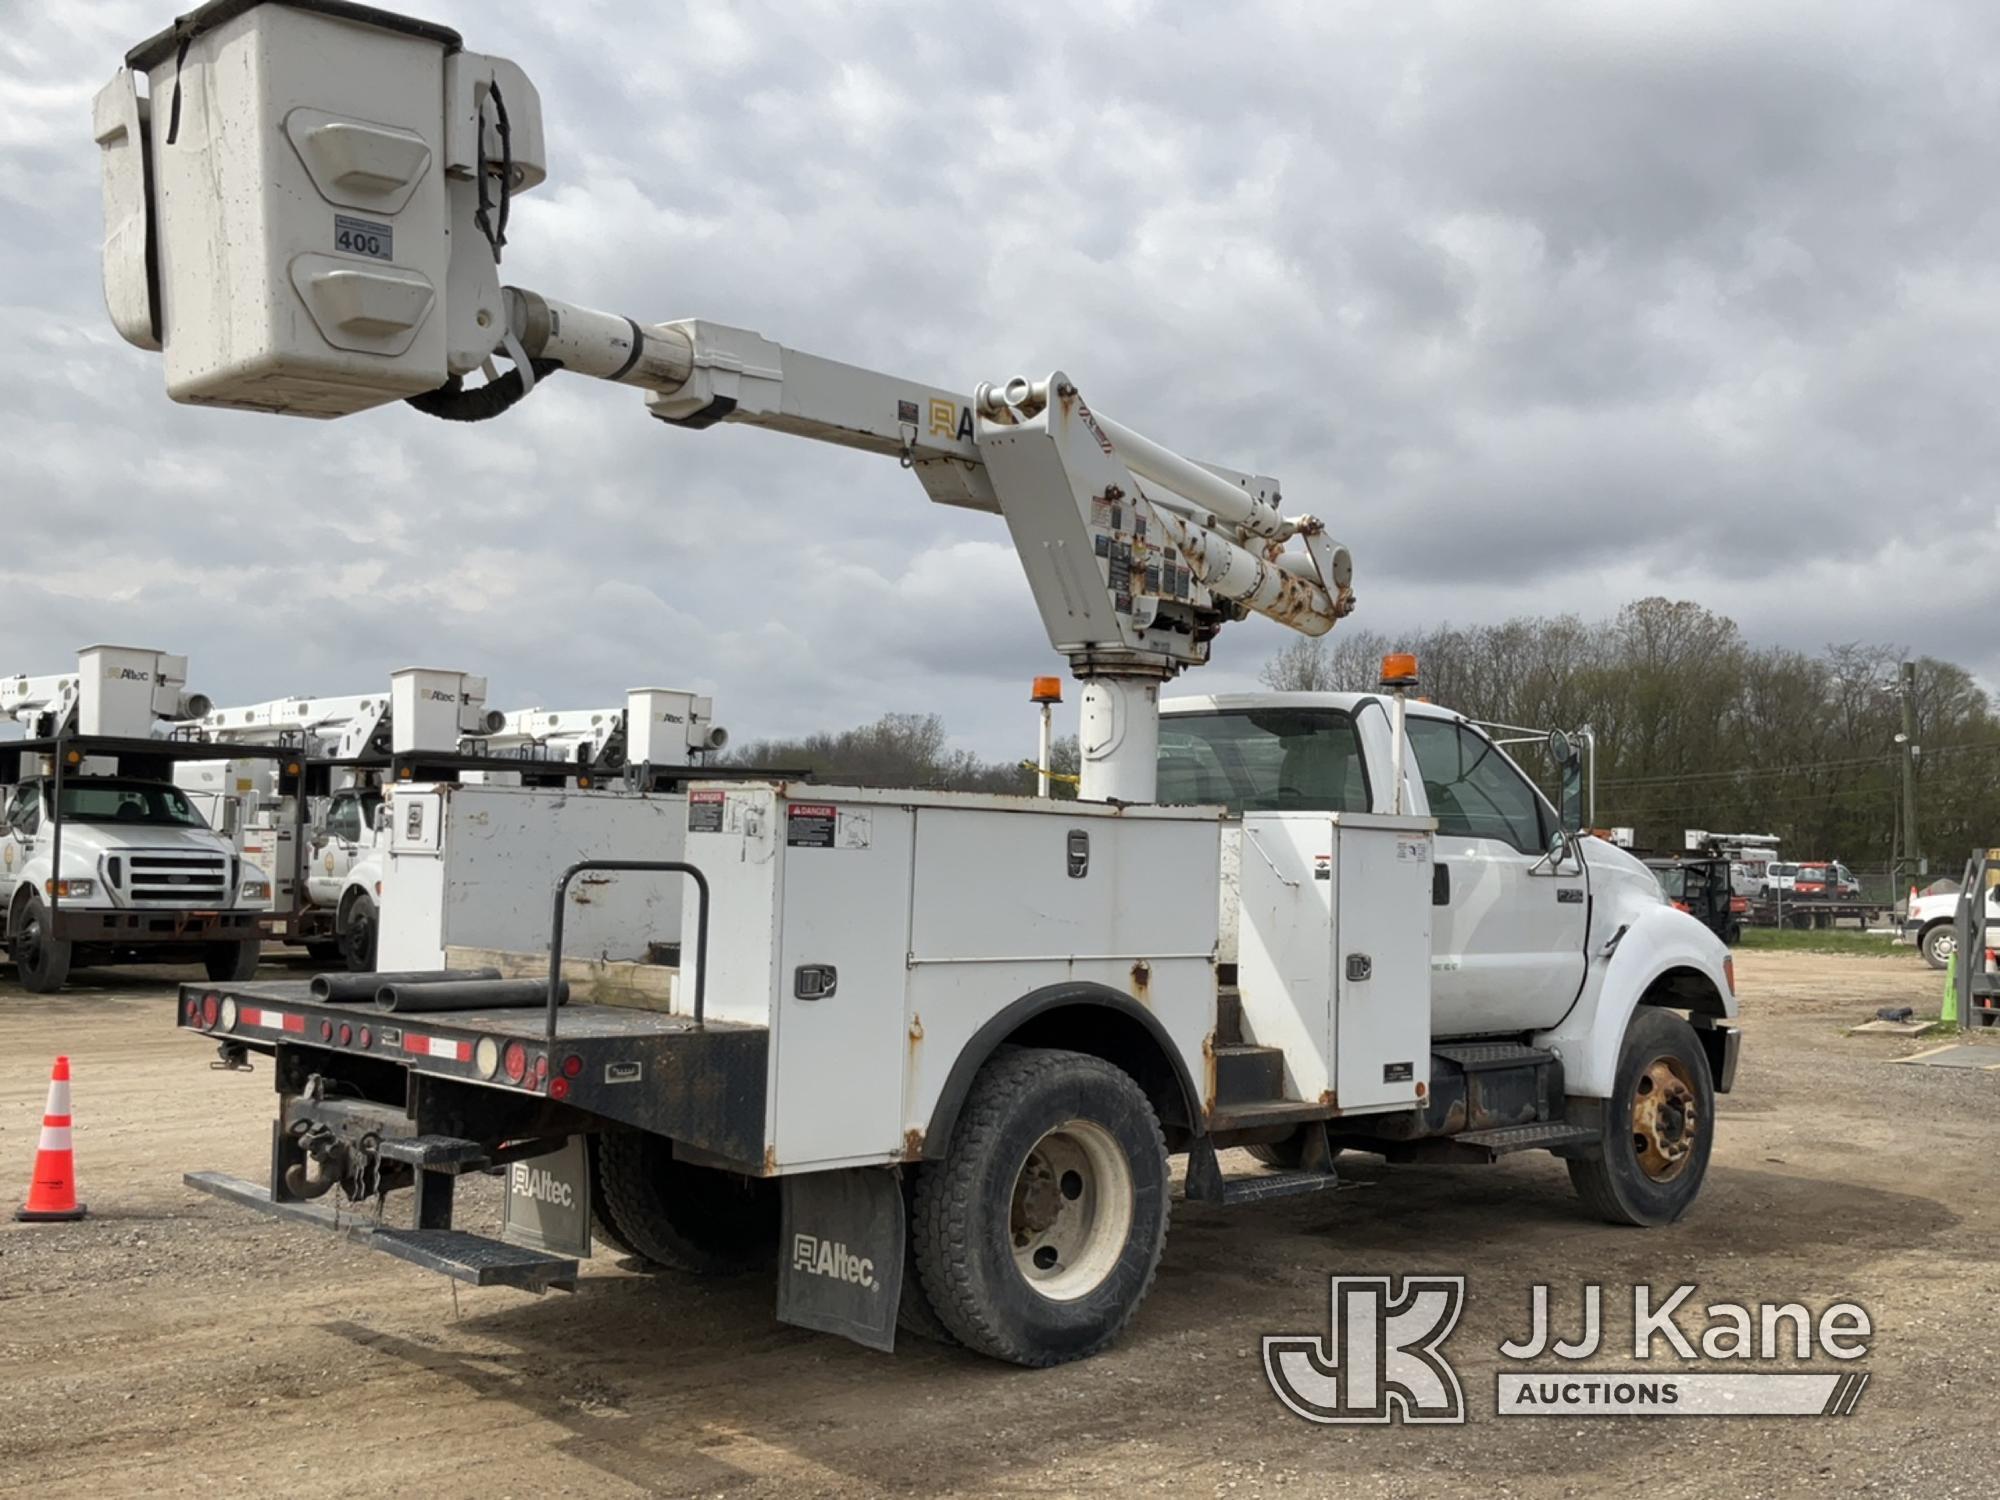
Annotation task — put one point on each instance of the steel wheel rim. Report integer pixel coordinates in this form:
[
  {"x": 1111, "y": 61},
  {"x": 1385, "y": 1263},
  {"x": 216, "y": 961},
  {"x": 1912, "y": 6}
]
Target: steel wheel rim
[
  {"x": 1666, "y": 1119},
  {"x": 1945, "y": 945},
  {"x": 1072, "y": 1210},
  {"x": 31, "y": 940}
]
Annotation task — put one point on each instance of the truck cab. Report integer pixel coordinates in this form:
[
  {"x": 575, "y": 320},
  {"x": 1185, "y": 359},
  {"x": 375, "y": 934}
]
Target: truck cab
[
  {"x": 143, "y": 876},
  {"x": 344, "y": 870},
  {"x": 1518, "y": 900}
]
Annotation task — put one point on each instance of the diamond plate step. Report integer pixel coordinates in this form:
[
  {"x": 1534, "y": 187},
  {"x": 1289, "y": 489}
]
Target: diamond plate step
[
  {"x": 436, "y": 1153},
  {"x": 1535, "y": 1137},
  {"x": 471, "y": 1258},
  {"x": 1478, "y": 1057}
]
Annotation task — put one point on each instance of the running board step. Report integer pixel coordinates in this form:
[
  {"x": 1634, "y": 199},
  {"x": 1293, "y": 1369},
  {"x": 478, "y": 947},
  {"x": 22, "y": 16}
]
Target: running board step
[
  {"x": 1539, "y": 1136},
  {"x": 1206, "y": 1184},
  {"x": 1478, "y": 1057},
  {"x": 471, "y": 1258}
]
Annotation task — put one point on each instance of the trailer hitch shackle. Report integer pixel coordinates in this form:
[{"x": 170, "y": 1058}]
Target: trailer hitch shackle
[{"x": 643, "y": 866}]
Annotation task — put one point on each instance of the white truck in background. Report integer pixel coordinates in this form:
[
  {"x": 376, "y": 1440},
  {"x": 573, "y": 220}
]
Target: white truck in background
[
  {"x": 102, "y": 858},
  {"x": 935, "y": 1050},
  {"x": 315, "y": 829}
]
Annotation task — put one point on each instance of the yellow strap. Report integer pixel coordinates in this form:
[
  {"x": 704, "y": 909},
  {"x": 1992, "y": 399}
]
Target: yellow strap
[{"x": 1063, "y": 777}]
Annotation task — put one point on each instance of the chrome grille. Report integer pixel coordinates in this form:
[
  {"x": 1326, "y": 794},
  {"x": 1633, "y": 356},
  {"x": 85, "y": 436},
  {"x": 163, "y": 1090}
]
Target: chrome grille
[{"x": 175, "y": 879}]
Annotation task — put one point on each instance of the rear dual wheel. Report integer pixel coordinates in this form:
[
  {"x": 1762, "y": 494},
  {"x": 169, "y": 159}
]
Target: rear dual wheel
[
  {"x": 1038, "y": 1235},
  {"x": 677, "y": 1214}
]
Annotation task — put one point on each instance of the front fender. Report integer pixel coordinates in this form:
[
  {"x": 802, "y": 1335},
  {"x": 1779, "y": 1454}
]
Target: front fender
[{"x": 1663, "y": 957}]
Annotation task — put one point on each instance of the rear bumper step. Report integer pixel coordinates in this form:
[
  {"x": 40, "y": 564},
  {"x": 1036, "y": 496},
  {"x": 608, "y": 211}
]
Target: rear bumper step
[{"x": 471, "y": 1258}]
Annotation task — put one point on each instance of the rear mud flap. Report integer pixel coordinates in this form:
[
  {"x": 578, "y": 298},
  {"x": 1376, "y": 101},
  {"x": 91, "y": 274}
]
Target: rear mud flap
[{"x": 842, "y": 1265}]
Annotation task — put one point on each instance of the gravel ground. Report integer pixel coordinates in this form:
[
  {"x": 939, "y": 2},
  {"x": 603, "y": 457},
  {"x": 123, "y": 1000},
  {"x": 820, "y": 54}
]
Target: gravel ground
[{"x": 173, "y": 1345}]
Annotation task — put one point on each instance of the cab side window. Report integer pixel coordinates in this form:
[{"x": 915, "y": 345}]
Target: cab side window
[
  {"x": 343, "y": 819},
  {"x": 1474, "y": 791},
  {"x": 24, "y": 810}
]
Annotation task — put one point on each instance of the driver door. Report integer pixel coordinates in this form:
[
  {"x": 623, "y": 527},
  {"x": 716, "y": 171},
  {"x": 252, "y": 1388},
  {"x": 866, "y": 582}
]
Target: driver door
[
  {"x": 24, "y": 817},
  {"x": 1508, "y": 930},
  {"x": 337, "y": 848}
]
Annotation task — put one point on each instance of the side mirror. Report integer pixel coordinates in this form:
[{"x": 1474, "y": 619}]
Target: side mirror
[
  {"x": 1560, "y": 749},
  {"x": 1558, "y": 845},
  {"x": 1572, "y": 795}
]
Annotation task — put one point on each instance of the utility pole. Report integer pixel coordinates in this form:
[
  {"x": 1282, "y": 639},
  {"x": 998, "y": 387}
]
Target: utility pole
[{"x": 1909, "y": 737}]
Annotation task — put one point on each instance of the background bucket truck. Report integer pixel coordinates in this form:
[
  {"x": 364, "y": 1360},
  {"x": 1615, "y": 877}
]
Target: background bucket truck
[{"x": 102, "y": 858}]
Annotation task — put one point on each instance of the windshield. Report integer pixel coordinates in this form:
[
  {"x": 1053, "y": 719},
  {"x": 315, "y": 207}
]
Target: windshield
[
  {"x": 146, "y": 803},
  {"x": 1259, "y": 759},
  {"x": 1673, "y": 881},
  {"x": 1782, "y": 869}
]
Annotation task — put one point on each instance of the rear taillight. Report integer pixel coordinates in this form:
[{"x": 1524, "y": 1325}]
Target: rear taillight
[
  {"x": 211, "y": 1007},
  {"x": 515, "y": 1060},
  {"x": 559, "y": 1088},
  {"x": 367, "y": 1037},
  {"x": 572, "y": 1065},
  {"x": 326, "y": 1031},
  {"x": 193, "y": 1011},
  {"x": 346, "y": 1035}
]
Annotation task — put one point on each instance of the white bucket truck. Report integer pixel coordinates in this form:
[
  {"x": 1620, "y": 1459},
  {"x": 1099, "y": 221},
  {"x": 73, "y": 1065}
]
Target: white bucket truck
[
  {"x": 102, "y": 858},
  {"x": 933, "y": 1051}
]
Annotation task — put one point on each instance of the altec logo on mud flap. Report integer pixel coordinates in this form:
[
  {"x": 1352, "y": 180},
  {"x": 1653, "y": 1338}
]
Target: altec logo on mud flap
[
  {"x": 831, "y": 1259},
  {"x": 542, "y": 1185},
  {"x": 1382, "y": 1359}
]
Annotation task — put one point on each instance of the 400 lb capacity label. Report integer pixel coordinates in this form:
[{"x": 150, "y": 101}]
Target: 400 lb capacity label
[{"x": 364, "y": 237}]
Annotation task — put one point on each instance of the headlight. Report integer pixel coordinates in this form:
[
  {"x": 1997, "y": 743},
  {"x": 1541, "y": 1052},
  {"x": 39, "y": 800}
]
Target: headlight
[
  {"x": 70, "y": 889},
  {"x": 256, "y": 890}
]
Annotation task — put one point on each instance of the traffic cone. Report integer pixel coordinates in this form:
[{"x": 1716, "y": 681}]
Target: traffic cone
[{"x": 52, "y": 1190}]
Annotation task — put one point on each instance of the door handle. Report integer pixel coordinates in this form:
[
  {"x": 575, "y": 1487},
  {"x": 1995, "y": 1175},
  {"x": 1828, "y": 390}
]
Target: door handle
[{"x": 1440, "y": 885}]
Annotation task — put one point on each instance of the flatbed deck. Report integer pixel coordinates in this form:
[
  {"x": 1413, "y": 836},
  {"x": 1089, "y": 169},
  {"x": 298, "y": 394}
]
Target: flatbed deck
[{"x": 701, "y": 1082}]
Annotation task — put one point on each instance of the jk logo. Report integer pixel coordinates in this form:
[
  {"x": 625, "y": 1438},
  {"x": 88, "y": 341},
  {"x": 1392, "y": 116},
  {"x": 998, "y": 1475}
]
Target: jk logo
[{"x": 1380, "y": 1362}]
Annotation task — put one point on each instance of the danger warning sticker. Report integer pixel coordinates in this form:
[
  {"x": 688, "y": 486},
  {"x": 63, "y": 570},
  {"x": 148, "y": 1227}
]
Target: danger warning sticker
[
  {"x": 705, "y": 811},
  {"x": 811, "y": 825},
  {"x": 821, "y": 825}
]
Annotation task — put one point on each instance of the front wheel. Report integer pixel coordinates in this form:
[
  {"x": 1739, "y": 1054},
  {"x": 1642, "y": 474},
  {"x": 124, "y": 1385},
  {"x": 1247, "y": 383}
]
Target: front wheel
[
  {"x": 231, "y": 962},
  {"x": 42, "y": 959},
  {"x": 1938, "y": 944},
  {"x": 1658, "y": 1126},
  {"x": 357, "y": 935},
  {"x": 1038, "y": 1235}
]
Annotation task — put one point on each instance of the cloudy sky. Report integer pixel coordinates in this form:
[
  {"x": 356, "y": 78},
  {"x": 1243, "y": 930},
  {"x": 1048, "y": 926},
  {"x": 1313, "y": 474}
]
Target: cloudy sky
[{"x": 1544, "y": 307}]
